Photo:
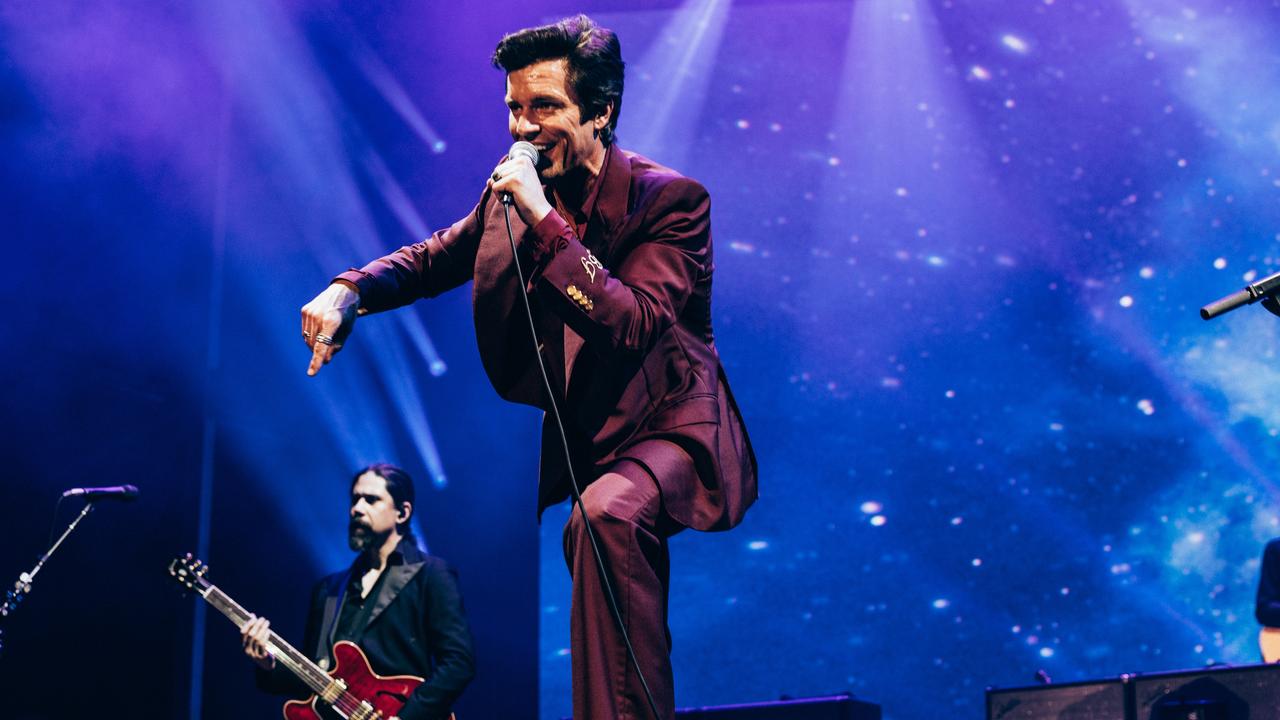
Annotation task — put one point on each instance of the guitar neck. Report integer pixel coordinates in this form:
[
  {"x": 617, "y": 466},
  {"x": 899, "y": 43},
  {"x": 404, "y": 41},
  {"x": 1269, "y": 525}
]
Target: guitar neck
[{"x": 295, "y": 662}]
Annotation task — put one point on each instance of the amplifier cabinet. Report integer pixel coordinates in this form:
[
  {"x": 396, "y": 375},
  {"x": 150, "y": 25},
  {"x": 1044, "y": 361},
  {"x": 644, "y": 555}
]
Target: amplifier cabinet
[
  {"x": 1245, "y": 692},
  {"x": 1094, "y": 700}
]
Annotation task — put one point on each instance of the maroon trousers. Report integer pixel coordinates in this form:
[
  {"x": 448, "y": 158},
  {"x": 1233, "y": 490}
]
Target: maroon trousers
[{"x": 625, "y": 510}]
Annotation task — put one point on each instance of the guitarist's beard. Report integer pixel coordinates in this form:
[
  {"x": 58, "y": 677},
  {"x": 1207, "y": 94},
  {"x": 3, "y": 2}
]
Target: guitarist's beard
[{"x": 361, "y": 537}]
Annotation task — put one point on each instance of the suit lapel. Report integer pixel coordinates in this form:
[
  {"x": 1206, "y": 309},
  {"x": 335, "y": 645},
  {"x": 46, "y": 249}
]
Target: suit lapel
[
  {"x": 329, "y": 618},
  {"x": 397, "y": 577},
  {"x": 502, "y": 334},
  {"x": 611, "y": 204}
]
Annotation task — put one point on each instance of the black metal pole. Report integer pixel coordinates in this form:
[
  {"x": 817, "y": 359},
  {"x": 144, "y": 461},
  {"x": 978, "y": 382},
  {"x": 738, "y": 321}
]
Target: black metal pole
[{"x": 14, "y": 597}]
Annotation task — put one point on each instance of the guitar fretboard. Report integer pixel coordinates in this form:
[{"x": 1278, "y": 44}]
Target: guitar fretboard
[{"x": 294, "y": 661}]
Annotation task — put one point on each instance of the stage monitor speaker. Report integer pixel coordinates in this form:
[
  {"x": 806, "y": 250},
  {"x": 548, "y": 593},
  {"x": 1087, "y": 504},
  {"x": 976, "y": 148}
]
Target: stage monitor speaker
[
  {"x": 1097, "y": 700},
  {"x": 836, "y": 707},
  {"x": 1247, "y": 692}
]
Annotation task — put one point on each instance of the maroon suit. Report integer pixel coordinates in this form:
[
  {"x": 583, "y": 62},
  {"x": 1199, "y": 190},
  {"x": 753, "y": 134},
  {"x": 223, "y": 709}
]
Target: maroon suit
[{"x": 624, "y": 316}]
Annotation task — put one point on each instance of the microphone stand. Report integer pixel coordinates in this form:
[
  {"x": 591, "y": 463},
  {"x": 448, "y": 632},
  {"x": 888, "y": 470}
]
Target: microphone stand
[
  {"x": 1264, "y": 290},
  {"x": 14, "y": 597}
]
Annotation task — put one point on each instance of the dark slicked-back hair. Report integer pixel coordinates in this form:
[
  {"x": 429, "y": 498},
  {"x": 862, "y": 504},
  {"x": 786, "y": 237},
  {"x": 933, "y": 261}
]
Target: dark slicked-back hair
[
  {"x": 399, "y": 487},
  {"x": 594, "y": 57}
]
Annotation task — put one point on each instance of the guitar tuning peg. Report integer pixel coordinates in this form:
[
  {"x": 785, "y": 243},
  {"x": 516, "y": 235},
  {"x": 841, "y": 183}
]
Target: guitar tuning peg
[{"x": 203, "y": 569}]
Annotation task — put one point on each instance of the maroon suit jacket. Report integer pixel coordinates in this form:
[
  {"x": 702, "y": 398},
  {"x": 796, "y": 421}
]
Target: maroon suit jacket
[{"x": 646, "y": 382}]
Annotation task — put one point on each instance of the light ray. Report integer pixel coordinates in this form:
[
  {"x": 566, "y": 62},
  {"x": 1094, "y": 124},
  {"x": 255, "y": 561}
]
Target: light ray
[
  {"x": 381, "y": 77},
  {"x": 668, "y": 86}
]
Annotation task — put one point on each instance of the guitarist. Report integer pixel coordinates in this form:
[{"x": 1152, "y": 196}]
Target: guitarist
[{"x": 400, "y": 605}]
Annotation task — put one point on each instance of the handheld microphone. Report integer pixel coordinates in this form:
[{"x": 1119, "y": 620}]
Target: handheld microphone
[
  {"x": 520, "y": 149},
  {"x": 123, "y": 493}
]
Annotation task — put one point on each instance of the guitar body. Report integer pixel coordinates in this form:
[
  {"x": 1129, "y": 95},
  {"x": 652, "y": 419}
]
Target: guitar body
[
  {"x": 1269, "y": 643},
  {"x": 386, "y": 695}
]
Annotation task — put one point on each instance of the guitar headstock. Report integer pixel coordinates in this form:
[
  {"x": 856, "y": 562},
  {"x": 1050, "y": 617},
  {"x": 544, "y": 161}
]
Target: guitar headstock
[{"x": 189, "y": 572}]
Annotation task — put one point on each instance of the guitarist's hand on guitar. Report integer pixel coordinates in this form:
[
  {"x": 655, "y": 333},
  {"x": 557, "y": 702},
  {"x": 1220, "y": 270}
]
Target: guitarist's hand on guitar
[{"x": 254, "y": 636}]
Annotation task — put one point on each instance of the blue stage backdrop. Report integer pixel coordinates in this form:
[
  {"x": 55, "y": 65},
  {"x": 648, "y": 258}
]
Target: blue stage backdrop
[{"x": 960, "y": 250}]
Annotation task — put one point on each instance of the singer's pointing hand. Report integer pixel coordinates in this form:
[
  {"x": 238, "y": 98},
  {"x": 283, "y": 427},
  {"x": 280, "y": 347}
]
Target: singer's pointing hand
[
  {"x": 518, "y": 177},
  {"x": 327, "y": 321}
]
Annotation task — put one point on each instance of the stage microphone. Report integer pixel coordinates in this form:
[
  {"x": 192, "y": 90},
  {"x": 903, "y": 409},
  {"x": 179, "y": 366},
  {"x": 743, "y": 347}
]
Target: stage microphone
[
  {"x": 1264, "y": 290},
  {"x": 520, "y": 149},
  {"x": 124, "y": 493}
]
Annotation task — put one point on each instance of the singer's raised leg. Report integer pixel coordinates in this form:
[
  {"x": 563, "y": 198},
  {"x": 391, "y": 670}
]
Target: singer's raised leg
[{"x": 624, "y": 507}]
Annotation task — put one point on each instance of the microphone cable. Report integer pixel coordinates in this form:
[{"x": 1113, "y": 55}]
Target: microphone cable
[{"x": 568, "y": 456}]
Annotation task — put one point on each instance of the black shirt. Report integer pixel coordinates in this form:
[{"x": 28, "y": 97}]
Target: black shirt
[{"x": 356, "y": 610}]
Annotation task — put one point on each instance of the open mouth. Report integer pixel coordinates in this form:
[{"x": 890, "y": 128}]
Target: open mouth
[{"x": 543, "y": 161}]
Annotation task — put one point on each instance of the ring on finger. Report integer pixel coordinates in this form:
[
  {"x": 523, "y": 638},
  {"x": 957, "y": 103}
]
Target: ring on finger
[
  {"x": 306, "y": 334},
  {"x": 496, "y": 176},
  {"x": 324, "y": 339}
]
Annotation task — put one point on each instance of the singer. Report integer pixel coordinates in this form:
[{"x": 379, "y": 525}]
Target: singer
[{"x": 617, "y": 253}]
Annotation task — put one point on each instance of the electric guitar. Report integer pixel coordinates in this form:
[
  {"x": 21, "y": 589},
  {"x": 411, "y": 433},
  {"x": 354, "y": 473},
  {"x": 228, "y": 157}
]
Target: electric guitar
[{"x": 351, "y": 691}]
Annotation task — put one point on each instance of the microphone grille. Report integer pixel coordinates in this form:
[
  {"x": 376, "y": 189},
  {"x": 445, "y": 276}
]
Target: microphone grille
[{"x": 524, "y": 149}]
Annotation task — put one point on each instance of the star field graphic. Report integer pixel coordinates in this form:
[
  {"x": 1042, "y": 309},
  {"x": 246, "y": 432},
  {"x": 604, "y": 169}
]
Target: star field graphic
[
  {"x": 960, "y": 253},
  {"x": 960, "y": 250}
]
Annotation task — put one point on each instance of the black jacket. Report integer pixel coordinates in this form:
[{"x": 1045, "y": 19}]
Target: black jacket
[{"x": 417, "y": 627}]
